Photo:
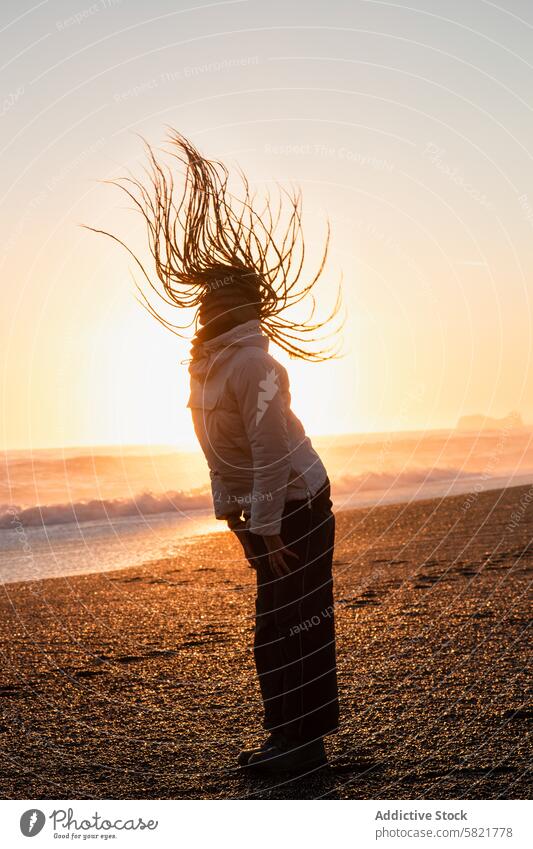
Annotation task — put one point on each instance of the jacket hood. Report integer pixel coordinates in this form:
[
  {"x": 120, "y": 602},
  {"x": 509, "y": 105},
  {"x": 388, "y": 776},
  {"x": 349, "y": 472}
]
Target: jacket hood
[{"x": 210, "y": 355}]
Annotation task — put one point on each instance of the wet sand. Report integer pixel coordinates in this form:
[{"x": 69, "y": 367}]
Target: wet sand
[{"x": 140, "y": 683}]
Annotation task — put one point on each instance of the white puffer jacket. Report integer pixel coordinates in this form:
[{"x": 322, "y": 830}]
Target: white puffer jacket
[{"x": 258, "y": 454}]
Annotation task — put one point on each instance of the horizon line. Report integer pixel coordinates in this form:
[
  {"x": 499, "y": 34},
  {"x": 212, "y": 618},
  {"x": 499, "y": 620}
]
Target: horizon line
[{"x": 192, "y": 448}]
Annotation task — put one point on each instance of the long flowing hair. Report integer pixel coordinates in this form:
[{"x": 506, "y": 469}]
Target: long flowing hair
[{"x": 202, "y": 238}]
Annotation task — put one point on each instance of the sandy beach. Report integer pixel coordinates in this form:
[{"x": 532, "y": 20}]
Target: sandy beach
[{"x": 140, "y": 683}]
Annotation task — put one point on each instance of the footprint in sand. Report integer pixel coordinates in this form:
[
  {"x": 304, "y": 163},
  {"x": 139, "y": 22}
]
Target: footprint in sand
[
  {"x": 362, "y": 602},
  {"x": 133, "y": 580},
  {"x": 128, "y": 658},
  {"x": 10, "y": 691},
  {"x": 516, "y": 715},
  {"x": 88, "y": 673}
]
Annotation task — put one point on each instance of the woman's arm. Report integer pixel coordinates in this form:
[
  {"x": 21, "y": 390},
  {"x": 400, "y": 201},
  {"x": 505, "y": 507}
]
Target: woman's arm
[{"x": 260, "y": 386}]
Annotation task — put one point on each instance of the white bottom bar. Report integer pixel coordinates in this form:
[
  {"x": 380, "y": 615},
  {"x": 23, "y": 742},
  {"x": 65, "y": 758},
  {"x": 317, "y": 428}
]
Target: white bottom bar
[{"x": 264, "y": 825}]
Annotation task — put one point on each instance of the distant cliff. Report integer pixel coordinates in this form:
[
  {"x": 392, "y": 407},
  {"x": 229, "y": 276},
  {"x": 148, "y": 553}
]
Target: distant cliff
[{"x": 479, "y": 422}]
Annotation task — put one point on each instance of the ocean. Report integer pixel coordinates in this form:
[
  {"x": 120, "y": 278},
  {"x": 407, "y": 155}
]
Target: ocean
[{"x": 77, "y": 510}]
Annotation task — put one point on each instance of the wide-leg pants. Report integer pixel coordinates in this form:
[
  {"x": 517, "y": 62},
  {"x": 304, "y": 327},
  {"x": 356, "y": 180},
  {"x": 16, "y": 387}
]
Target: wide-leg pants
[{"x": 294, "y": 644}]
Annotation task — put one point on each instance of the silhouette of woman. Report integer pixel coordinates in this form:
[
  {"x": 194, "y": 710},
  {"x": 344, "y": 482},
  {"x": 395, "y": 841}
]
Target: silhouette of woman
[{"x": 240, "y": 269}]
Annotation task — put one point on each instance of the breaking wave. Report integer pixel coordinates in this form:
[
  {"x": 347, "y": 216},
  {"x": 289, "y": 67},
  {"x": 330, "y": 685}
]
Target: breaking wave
[
  {"x": 149, "y": 503},
  {"x": 145, "y": 504},
  {"x": 409, "y": 478}
]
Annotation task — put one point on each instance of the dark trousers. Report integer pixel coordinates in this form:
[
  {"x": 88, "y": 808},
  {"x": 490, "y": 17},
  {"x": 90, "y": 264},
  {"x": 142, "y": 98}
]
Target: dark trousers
[{"x": 294, "y": 643}]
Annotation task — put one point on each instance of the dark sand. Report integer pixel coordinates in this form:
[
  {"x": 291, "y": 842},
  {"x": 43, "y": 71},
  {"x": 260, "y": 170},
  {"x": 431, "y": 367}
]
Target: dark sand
[{"x": 140, "y": 683}]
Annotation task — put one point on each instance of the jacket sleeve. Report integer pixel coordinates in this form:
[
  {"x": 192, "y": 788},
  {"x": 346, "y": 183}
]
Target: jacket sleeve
[{"x": 258, "y": 384}]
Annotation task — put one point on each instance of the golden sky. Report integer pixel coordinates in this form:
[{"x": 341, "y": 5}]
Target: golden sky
[{"x": 411, "y": 129}]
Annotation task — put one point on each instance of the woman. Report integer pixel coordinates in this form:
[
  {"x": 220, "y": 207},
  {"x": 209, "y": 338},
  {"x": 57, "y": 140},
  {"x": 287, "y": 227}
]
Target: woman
[{"x": 241, "y": 270}]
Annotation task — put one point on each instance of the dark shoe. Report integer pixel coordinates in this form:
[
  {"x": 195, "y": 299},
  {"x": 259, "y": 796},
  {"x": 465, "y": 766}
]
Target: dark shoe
[
  {"x": 246, "y": 754},
  {"x": 289, "y": 757}
]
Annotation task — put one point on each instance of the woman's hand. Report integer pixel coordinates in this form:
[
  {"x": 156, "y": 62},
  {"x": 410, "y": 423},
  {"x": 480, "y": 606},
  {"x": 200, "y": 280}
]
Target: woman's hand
[
  {"x": 277, "y": 552},
  {"x": 278, "y": 555}
]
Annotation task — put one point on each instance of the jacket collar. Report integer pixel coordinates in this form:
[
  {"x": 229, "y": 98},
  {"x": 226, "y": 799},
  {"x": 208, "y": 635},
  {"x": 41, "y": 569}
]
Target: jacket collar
[{"x": 211, "y": 354}]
